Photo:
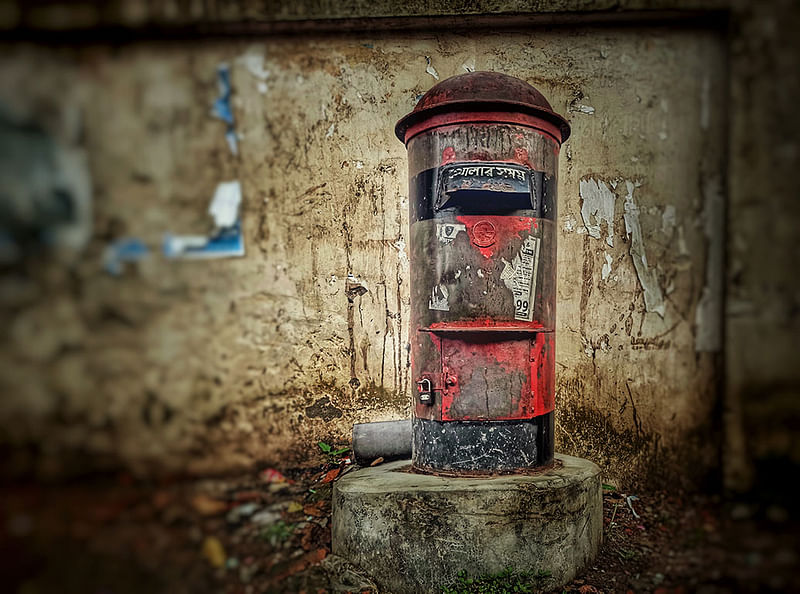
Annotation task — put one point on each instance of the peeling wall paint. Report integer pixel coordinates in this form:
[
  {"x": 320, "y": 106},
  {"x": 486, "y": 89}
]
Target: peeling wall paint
[
  {"x": 668, "y": 219},
  {"x": 606, "y": 271},
  {"x": 762, "y": 322},
  {"x": 648, "y": 277},
  {"x": 278, "y": 349},
  {"x": 598, "y": 208}
]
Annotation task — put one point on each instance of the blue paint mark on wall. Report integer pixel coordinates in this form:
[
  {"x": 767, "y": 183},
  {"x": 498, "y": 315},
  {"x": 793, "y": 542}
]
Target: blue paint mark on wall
[
  {"x": 129, "y": 249},
  {"x": 222, "y": 106}
]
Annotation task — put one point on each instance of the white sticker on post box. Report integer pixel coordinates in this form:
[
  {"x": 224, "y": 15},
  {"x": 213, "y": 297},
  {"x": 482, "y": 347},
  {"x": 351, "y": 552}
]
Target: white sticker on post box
[
  {"x": 520, "y": 277},
  {"x": 446, "y": 232}
]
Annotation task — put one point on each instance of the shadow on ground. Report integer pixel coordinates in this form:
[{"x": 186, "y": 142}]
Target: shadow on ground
[{"x": 270, "y": 532}]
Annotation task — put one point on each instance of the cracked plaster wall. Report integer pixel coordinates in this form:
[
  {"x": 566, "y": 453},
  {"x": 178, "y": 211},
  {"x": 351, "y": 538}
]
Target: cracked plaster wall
[{"x": 210, "y": 366}]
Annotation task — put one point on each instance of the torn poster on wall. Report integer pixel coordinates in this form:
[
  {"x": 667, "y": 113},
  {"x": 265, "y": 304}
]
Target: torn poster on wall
[
  {"x": 222, "y": 106},
  {"x": 225, "y": 241}
]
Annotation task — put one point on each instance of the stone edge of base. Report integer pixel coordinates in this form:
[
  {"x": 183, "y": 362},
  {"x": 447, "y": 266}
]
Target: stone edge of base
[{"x": 397, "y": 476}]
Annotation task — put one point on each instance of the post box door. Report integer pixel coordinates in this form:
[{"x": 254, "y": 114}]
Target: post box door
[{"x": 485, "y": 378}]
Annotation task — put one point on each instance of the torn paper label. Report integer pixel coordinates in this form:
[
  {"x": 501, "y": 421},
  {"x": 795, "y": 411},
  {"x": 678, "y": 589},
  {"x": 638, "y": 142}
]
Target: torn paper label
[
  {"x": 438, "y": 300},
  {"x": 430, "y": 69},
  {"x": 222, "y": 107},
  {"x": 446, "y": 232},
  {"x": 520, "y": 277},
  {"x": 222, "y": 104},
  {"x": 227, "y": 243},
  {"x": 224, "y": 207}
]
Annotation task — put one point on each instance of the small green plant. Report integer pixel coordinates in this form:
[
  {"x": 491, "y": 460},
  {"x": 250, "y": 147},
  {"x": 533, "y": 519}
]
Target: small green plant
[
  {"x": 277, "y": 533},
  {"x": 507, "y": 581},
  {"x": 330, "y": 451},
  {"x": 627, "y": 554}
]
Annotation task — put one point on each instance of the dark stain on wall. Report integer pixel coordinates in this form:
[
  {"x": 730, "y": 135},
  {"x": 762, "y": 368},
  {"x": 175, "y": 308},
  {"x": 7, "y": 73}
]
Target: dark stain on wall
[{"x": 323, "y": 409}]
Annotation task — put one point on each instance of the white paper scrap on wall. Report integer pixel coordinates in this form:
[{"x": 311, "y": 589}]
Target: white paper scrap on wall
[
  {"x": 253, "y": 61},
  {"x": 648, "y": 278},
  {"x": 176, "y": 245},
  {"x": 606, "y": 271},
  {"x": 430, "y": 69},
  {"x": 597, "y": 208},
  {"x": 224, "y": 207},
  {"x": 225, "y": 241}
]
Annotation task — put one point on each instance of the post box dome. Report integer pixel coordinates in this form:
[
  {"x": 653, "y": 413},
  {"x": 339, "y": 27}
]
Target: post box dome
[{"x": 482, "y": 91}]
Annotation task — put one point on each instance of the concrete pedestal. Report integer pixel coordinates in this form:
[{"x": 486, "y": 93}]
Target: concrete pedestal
[{"x": 414, "y": 533}]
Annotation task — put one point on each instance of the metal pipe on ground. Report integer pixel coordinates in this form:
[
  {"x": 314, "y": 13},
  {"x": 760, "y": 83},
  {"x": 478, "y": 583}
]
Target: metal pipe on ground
[{"x": 390, "y": 440}]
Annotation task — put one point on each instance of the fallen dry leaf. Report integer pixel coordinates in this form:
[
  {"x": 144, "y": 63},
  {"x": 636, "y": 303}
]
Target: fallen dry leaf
[
  {"x": 304, "y": 562},
  {"x": 249, "y": 496},
  {"x": 208, "y": 506},
  {"x": 315, "y": 509},
  {"x": 377, "y": 461},
  {"x": 214, "y": 552},
  {"x": 331, "y": 475},
  {"x": 307, "y": 537},
  {"x": 315, "y": 536}
]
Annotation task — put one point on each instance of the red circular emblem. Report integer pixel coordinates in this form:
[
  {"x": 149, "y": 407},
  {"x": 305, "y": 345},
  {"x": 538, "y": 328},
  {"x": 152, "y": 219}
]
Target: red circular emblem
[{"x": 483, "y": 234}]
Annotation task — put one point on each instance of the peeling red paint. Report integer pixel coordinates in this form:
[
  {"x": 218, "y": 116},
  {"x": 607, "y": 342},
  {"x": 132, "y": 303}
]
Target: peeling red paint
[
  {"x": 522, "y": 157},
  {"x": 483, "y": 278},
  {"x": 461, "y": 389},
  {"x": 486, "y": 324},
  {"x": 542, "y": 372}
]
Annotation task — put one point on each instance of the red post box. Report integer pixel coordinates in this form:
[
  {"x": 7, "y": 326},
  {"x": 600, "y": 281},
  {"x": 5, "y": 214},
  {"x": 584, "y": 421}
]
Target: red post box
[{"x": 483, "y": 160}]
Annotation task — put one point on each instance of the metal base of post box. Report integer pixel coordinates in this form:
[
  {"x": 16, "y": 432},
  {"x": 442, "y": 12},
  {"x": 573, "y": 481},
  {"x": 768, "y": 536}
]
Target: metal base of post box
[{"x": 482, "y": 447}]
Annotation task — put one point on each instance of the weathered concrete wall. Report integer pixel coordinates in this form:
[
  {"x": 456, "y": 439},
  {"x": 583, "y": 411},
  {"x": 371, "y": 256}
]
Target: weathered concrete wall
[
  {"x": 762, "y": 407},
  {"x": 60, "y": 15},
  {"x": 207, "y": 366}
]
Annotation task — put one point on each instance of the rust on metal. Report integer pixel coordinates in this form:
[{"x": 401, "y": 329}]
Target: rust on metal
[
  {"x": 483, "y": 274},
  {"x": 482, "y": 92}
]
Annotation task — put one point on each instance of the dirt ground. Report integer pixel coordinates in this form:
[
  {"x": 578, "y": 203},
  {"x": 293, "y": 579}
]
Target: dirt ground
[{"x": 270, "y": 532}]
